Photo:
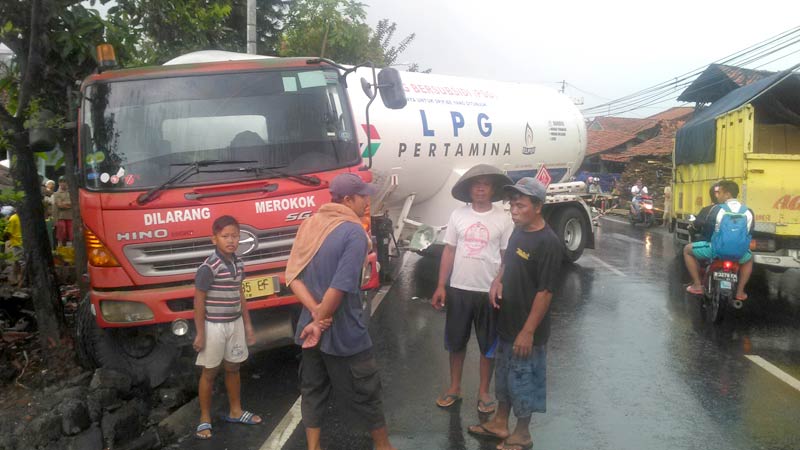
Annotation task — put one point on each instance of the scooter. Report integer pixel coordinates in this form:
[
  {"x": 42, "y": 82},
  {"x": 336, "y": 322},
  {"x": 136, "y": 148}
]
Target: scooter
[
  {"x": 644, "y": 213},
  {"x": 720, "y": 278}
]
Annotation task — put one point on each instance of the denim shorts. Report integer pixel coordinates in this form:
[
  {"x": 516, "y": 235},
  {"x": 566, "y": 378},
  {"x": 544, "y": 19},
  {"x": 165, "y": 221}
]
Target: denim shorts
[{"x": 521, "y": 382}]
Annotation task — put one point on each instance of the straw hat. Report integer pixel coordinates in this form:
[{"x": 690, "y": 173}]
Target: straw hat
[{"x": 499, "y": 179}]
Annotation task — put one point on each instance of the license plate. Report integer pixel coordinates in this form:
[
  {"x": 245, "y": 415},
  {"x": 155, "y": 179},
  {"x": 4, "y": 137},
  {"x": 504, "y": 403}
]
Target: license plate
[
  {"x": 725, "y": 285},
  {"x": 260, "y": 287},
  {"x": 732, "y": 277}
]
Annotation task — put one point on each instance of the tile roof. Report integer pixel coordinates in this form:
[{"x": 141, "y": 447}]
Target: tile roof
[
  {"x": 600, "y": 141},
  {"x": 624, "y": 124},
  {"x": 660, "y": 145},
  {"x": 675, "y": 113},
  {"x": 718, "y": 80}
]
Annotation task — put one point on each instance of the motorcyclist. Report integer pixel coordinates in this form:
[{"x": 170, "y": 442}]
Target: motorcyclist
[
  {"x": 636, "y": 193},
  {"x": 726, "y": 192}
]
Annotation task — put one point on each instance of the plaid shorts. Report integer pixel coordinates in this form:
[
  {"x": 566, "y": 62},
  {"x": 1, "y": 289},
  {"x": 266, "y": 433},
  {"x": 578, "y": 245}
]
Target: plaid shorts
[{"x": 521, "y": 382}]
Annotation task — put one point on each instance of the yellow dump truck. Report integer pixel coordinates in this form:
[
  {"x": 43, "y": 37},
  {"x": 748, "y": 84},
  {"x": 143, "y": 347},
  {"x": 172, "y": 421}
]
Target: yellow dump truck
[{"x": 750, "y": 136}]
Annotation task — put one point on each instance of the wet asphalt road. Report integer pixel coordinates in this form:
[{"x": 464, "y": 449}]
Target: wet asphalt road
[{"x": 632, "y": 363}]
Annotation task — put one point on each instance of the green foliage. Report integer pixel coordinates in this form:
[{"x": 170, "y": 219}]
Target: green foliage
[
  {"x": 154, "y": 32},
  {"x": 333, "y": 29}
]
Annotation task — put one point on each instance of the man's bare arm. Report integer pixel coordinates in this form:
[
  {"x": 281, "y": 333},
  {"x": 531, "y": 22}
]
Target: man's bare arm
[{"x": 523, "y": 345}]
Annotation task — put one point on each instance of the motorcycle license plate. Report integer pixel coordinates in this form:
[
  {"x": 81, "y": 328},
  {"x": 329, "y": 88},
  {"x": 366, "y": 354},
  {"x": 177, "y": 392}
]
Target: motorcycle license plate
[
  {"x": 726, "y": 285},
  {"x": 260, "y": 287},
  {"x": 730, "y": 277}
]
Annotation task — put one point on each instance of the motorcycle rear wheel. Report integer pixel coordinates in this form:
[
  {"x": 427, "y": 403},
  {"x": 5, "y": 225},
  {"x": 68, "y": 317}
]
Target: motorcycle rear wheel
[{"x": 715, "y": 307}]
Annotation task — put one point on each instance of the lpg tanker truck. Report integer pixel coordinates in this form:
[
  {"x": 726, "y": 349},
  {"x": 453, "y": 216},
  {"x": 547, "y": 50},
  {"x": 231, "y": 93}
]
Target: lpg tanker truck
[{"x": 163, "y": 151}]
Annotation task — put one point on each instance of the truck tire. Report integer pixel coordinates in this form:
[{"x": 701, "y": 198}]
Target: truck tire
[
  {"x": 573, "y": 229},
  {"x": 148, "y": 364}
]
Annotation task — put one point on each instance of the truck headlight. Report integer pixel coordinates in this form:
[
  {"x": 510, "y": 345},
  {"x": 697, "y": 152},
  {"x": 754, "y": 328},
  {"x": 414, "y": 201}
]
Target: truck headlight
[{"x": 117, "y": 311}]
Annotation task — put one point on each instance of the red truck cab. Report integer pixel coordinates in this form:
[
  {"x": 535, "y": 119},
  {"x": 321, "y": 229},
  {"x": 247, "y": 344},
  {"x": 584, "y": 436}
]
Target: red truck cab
[{"x": 163, "y": 151}]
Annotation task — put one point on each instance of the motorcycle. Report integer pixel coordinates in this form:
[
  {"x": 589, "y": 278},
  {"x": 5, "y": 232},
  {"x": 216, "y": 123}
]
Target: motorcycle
[
  {"x": 720, "y": 278},
  {"x": 644, "y": 212}
]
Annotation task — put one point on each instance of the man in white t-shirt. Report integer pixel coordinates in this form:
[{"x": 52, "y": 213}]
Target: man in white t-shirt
[
  {"x": 636, "y": 191},
  {"x": 476, "y": 236}
]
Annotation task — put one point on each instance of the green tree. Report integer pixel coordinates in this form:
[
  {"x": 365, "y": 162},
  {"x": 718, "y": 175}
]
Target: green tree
[
  {"x": 154, "y": 32},
  {"x": 334, "y": 29},
  {"x": 51, "y": 43}
]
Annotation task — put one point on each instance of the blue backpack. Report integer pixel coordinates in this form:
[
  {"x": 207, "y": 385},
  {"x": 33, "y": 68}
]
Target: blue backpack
[{"x": 731, "y": 238}]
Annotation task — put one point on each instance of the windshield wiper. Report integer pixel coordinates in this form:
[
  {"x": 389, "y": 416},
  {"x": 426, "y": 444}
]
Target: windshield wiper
[
  {"x": 276, "y": 172},
  {"x": 191, "y": 169}
]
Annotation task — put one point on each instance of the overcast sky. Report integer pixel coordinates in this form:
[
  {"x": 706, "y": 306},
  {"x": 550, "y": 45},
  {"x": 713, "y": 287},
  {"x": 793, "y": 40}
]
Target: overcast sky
[{"x": 607, "y": 48}]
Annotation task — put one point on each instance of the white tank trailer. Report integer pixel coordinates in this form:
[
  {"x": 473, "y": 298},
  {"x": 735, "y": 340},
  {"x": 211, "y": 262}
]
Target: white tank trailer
[{"x": 451, "y": 124}]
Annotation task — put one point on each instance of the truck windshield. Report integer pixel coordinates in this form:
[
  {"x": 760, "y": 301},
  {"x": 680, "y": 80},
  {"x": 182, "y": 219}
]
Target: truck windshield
[{"x": 137, "y": 134}]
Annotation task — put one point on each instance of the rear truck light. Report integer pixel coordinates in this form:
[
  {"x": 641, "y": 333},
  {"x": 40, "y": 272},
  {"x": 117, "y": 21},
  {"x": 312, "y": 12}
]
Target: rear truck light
[
  {"x": 117, "y": 311},
  {"x": 762, "y": 245},
  {"x": 180, "y": 327},
  {"x": 97, "y": 253}
]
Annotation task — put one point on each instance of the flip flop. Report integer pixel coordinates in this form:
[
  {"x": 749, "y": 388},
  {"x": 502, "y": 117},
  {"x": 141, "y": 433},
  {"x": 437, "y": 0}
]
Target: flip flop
[
  {"x": 480, "y": 430},
  {"x": 517, "y": 446},
  {"x": 246, "y": 418},
  {"x": 693, "y": 291},
  {"x": 741, "y": 298},
  {"x": 202, "y": 427},
  {"x": 487, "y": 407},
  {"x": 447, "y": 400}
]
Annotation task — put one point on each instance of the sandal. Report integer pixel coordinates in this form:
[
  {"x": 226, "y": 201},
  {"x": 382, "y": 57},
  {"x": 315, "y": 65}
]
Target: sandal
[
  {"x": 447, "y": 400},
  {"x": 246, "y": 418},
  {"x": 481, "y": 431},
  {"x": 487, "y": 407},
  {"x": 694, "y": 291},
  {"x": 517, "y": 446},
  {"x": 205, "y": 426}
]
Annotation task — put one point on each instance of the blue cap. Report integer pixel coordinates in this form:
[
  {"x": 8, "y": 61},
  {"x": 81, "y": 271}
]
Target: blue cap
[
  {"x": 351, "y": 184},
  {"x": 528, "y": 186}
]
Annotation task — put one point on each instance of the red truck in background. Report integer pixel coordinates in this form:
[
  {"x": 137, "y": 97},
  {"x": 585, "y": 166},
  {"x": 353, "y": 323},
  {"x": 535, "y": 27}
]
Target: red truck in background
[{"x": 165, "y": 150}]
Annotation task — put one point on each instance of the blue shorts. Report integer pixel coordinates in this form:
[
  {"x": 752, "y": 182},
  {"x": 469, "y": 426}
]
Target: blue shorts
[
  {"x": 521, "y": 382},
  {"x": 702, "y": 250}
]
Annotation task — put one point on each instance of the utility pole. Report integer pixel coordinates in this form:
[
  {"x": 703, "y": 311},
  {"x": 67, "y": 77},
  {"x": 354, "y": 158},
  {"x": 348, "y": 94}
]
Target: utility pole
[{"x": 251, "y": 27}]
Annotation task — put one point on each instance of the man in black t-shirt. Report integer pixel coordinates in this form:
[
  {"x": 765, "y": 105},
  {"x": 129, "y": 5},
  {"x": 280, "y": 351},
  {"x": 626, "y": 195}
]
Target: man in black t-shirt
[{"x": 522, "y": 291}]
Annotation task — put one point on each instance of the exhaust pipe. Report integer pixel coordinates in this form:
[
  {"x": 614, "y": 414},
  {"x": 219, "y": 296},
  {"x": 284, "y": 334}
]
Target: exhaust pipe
[{"x": 738, "y": 304}]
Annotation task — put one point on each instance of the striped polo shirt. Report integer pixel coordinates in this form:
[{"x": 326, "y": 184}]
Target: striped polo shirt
[{"x": 222, "y": 283}]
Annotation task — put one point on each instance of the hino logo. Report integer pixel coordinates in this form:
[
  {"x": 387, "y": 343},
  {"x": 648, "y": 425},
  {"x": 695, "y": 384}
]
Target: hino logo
[
  {"x": 248, "y": 242},
  {"x": 140, "y": 235}
]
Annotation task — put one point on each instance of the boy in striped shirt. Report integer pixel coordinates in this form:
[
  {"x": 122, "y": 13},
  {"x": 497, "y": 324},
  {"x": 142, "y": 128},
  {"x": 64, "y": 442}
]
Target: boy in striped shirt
[{"x": 223, "y": 326}]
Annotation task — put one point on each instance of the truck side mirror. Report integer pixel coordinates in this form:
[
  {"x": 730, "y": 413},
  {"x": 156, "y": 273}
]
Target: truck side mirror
[{"x": 391, "y": 87}]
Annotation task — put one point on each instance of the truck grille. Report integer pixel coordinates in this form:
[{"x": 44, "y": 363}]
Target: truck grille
[{"x": 185, "y": 256}]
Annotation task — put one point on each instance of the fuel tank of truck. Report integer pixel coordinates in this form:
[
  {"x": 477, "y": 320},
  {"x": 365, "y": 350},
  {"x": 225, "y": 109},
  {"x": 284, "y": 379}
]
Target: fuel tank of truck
[{"x": 451, "y": 124}]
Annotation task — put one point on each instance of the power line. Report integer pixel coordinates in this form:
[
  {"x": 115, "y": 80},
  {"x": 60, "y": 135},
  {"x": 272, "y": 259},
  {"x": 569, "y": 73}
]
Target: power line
[
  {"x": 634, "y": 103},
  {"x": 752, "y": 53}
]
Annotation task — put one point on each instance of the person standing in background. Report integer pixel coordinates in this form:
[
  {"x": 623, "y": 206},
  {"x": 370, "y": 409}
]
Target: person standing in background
[{"x": 62, "y": 213}]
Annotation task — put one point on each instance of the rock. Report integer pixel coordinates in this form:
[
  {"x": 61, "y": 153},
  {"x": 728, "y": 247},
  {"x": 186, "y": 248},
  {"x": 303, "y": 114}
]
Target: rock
[
  {"x": 74, "y": 417},
  {"x": 172, "y": 397},
  {"x": 72, "y": 393},
  {"x": 7, "y": 442},
  {"x": 81, "y": 380},
  {"x": 91, "y": 439},
  {"x": 42, "y": 430},
  {"x": 147, "y": 441},
  {"x": 123, "y": 424},
  {"x": 156, "y": 416},
  {"x": 111, "y": 379},
  {"x": 100, "y": 400}
]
